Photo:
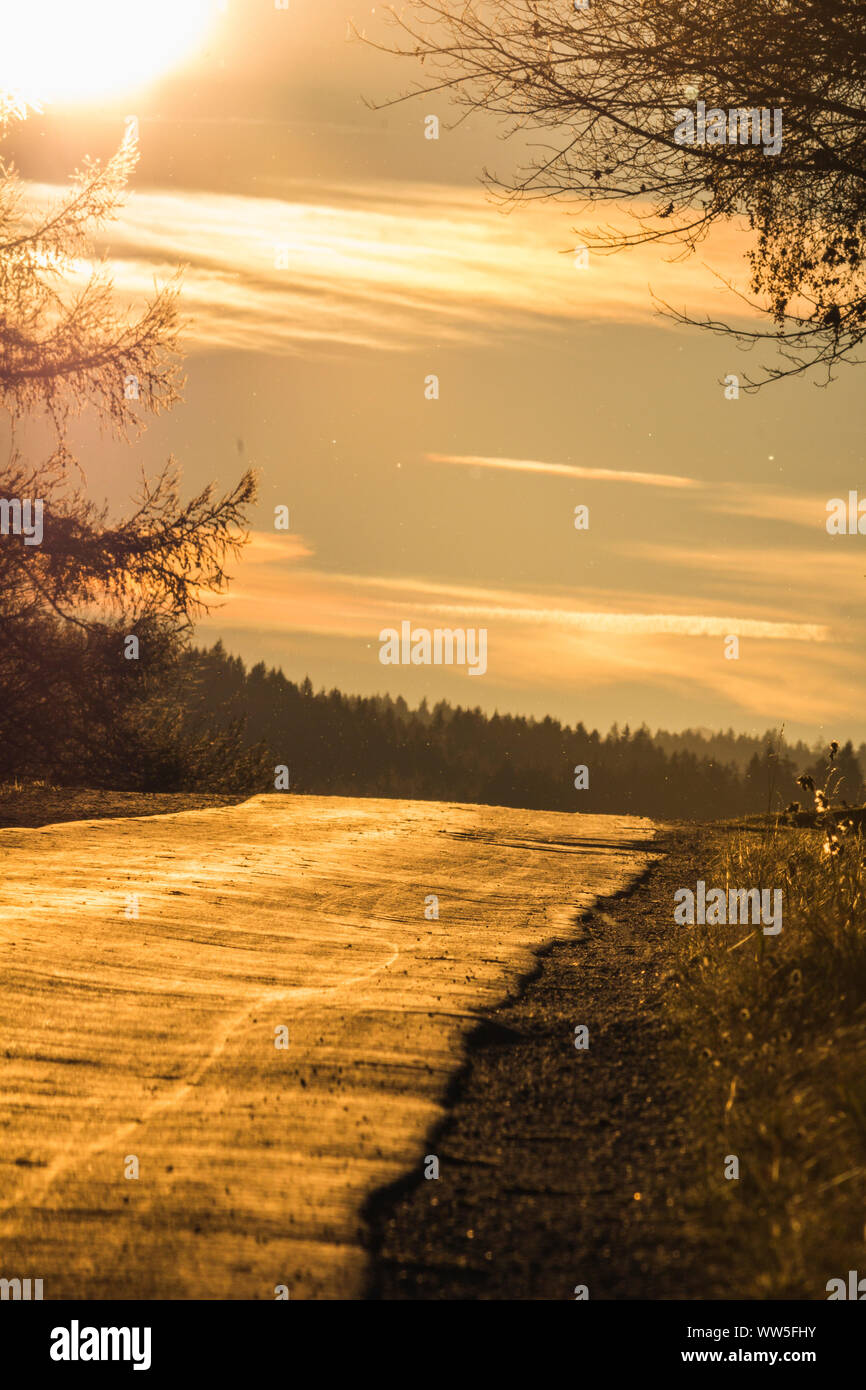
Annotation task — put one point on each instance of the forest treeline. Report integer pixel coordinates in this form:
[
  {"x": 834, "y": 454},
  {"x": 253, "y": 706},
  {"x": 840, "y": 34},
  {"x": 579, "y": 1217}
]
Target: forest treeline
[
  {"x": 352, "y": 745},
  {"x": 200, "y": 720}
]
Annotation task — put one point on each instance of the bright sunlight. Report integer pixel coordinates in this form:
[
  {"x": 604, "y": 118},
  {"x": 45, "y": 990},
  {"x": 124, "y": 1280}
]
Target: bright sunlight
[{"x": 82, "y": 50}]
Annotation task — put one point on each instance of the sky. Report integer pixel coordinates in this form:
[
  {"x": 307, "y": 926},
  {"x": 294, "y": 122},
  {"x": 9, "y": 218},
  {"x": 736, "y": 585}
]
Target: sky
[{"x": 336, "y": 259}]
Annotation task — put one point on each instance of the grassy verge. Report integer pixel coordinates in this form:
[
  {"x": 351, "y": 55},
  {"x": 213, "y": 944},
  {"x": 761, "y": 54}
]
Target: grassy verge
[{"x": 773, "y": 1032}]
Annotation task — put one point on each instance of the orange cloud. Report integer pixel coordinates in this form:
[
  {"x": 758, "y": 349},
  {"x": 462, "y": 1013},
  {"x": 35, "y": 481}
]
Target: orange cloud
[{"x": 376, "y": 267}]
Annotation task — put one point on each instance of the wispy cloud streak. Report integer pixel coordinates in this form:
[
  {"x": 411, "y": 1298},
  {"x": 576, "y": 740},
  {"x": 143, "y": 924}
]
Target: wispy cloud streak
[
  {"x": 642, "y": 624},
  {"x": 361, "y": 603},
  {"x": 565, "y": 470},
  {"x": 373, "y": 267}
]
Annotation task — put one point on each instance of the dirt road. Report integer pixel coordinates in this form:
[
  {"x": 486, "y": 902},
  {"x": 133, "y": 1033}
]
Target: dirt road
[{"x": 148, "y": 966}]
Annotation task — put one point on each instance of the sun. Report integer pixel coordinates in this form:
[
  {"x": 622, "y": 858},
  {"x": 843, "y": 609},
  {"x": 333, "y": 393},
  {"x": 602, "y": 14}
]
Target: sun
[{"x": 62, "y": 51}]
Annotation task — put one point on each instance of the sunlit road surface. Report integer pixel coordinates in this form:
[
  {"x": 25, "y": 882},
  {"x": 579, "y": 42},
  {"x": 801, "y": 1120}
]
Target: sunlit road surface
[{"x": 154, "y": 1037}]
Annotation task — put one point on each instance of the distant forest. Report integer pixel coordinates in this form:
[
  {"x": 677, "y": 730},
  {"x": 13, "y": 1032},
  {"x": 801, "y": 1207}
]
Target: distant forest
[{"x": 349, "y": 745}]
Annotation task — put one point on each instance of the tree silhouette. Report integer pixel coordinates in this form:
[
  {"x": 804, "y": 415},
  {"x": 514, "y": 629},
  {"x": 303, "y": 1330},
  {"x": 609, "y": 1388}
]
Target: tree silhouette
[
  {"x": 596, "y": 87},
  {"x": 71, "y": 598}
]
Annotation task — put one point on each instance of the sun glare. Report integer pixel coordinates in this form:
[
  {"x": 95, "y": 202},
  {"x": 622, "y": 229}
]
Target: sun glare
[{"x": 88, "y": 50}]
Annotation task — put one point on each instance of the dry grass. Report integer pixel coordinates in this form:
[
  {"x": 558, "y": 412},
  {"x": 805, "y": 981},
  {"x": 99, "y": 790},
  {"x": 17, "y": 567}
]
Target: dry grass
[
  {"x": 34, "y": 803},
  {"x": 780, "y": 1068}
]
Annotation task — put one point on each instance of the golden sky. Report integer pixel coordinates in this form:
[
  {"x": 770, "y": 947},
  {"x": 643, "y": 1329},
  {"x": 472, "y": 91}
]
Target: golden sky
[{"x": 335, "y": 259}]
